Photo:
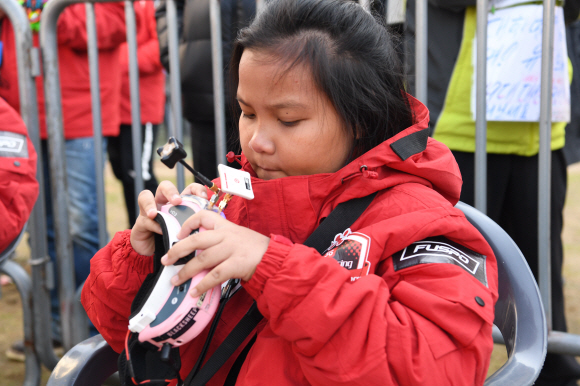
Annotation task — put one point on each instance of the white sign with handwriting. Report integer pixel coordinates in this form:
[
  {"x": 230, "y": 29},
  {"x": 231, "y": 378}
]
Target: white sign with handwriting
[{"x": 514, "y": 58}]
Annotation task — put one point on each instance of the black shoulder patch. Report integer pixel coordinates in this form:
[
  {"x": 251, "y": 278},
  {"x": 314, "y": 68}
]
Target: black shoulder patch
[
  {"x": 411, "y": 144},
  {"x": 13, "y": 145},
  {"x": 442, "y": 250}
]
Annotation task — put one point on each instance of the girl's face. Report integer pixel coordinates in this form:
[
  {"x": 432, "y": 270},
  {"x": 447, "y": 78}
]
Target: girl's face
[{"x": 287, "y": 126}]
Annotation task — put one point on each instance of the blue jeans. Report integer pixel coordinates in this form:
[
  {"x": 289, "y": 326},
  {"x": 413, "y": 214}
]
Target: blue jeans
[{"x": 83, "y": 218}]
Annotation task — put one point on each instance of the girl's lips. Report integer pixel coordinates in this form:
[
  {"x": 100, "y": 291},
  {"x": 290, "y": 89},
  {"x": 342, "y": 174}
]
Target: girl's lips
[
  {"x": 269, "y": 174},
  {"x": 267, "y": 169}
]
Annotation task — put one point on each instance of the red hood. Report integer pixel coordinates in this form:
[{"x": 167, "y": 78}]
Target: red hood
[{"x": 434, "y": 167}]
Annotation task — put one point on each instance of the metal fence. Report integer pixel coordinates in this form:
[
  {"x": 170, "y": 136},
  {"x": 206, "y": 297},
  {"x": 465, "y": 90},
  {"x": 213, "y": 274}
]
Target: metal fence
[
  {"x": 35, "y": 300},
  {"x": 34, "y": 289}
]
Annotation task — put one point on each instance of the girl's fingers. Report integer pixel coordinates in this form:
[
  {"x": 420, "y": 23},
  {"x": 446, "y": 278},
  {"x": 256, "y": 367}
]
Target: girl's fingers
[
  {"x": 148, "y": 224},
  {"x": 167, "y": 192},
  {"x": 202, "y": 261},
  {"x": 204, "y": 218},
  {"x": 201, "y": 241},
  {"x": 196, "y": 190},
  {"x": 216, "y": 276},
  {"x": 147, "y": 205}
]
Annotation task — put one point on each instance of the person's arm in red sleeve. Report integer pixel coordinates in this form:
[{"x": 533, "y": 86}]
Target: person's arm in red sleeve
[
  {"x": 117, "y": 272},
  {"x": 414, "y": 327},
  {"x": 18, "y": 185},
  {"x": 110, "y": 19},
  {"x": 148, "y": 52}
]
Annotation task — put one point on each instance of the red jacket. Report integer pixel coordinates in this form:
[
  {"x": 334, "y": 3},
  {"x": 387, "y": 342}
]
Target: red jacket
[
  {"x": 151, "y": 77},
  {"x": 18, "y": 186},
  {"x": 74, "y": 69},
  {"x": 370, "y": 321}
]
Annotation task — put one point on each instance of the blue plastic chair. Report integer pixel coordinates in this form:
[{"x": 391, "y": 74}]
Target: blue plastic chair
[
  {"x": 9, "y": 250},
  {"x": 519, "y": 316},
  {"x": 519, "y": 313}
]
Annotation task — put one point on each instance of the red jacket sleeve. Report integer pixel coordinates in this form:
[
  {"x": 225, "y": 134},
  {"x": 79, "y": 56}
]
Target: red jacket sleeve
[
  {"x": 18, "y": 185},
  {"x": 148, "y": 52},
  {"x": 421, "y": 326},
  {"x": 117, "y": 272},
  {"x": 147, "y": 43},
  {"x": 110, "y": 19}
]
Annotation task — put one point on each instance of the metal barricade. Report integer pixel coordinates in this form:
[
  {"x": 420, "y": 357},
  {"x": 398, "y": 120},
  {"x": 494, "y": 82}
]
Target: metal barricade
[
  {"x": 558, "y": 342},
  {"x": 34, "y": 290},
  {"x": 56, "y": 147},
  {"x": 73, "y": 330}
]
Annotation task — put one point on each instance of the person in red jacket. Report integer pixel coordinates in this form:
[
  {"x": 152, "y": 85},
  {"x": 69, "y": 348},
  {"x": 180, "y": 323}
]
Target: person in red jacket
[
  {"x": 152, "y": 96},
  {"x": 404, "y": 296},
  {"x": 78, "y": 127},
  {"x": 18, "y": 185}
]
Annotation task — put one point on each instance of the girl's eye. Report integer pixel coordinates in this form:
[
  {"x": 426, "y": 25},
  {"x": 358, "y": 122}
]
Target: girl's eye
[
  {"x": 248, "y": 116},
  {"x": 289, "y": 124}
]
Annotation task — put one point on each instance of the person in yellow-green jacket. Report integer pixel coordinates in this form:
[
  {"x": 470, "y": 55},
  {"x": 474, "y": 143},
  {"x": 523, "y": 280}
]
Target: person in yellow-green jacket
[{"x": 512, "y": 169}]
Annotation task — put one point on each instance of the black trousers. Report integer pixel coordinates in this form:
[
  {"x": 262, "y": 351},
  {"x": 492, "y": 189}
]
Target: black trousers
[
  {"x": 120, "y": 151},
  {"x": 512, "y": 202}
]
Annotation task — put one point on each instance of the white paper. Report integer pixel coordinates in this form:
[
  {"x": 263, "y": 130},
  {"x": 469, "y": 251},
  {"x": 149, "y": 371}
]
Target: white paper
[
  {"x": 396, "y": 11},
  {"x": 514, "y": 58},
  {"x": 498, "y": 4}
]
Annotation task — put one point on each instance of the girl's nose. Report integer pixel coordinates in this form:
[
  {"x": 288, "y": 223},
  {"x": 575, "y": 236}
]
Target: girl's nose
[{"x": 261, "y": 142}]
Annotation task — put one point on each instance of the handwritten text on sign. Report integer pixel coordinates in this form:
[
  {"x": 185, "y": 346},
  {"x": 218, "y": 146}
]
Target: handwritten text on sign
[{"x": 514, "y": 58}]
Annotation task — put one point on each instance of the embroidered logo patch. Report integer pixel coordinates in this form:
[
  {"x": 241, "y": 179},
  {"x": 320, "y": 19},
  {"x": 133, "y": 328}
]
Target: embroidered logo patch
[
  {"x": 442, "y": 250},
  {"x": 351, "y": 250},
  {"x": 13, "y": 145}
]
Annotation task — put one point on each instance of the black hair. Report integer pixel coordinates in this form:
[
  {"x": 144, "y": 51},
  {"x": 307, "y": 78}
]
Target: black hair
[{"x": 352, "y": 57}]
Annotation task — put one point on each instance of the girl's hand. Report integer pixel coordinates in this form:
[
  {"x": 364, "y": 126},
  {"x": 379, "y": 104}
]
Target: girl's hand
[
  {"x": 229, "y": 251},
  {"x": 142, "y": 239},
  {"x": 196, "y": 190}
]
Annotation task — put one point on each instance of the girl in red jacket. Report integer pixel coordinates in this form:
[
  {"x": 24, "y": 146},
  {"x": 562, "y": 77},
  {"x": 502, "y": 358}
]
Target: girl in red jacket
[
  {"x": 324, "y": 119},
  {"x": 18, "y": 185}
]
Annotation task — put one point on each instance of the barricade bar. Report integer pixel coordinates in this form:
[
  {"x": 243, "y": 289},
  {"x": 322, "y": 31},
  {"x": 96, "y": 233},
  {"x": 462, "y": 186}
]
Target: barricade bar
[
  {"x": 545, "y": 161},
  {"x": 137, "y": 140},
  {"x": 218, "y": 80},
  {"x": 558, "y": 342},
  {"x": 56, "y": 149},
  {"x": 480, "y": 179},
  {"x": 175, "y": 83},
  {"x": 421, "y": 51},
  {"x": 563, "y": 343},
  {"x": 93, "y": 53}
]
